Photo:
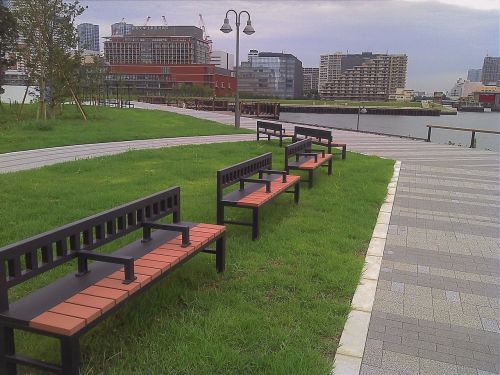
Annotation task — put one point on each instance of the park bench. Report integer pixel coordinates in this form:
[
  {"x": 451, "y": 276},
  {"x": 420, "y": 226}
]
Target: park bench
[
  {"x": 253, "y": 193},
  {"x": 319, "y": 137},
  {"x": 306, "y": 158},
  {"x": 72, "y": 305},
  {"x": 272, "y": 129}
]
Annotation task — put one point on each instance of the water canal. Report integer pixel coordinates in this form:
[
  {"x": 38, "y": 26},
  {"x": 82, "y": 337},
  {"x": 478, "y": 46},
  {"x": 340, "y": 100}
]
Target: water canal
[{"x": 414, "y": 126}]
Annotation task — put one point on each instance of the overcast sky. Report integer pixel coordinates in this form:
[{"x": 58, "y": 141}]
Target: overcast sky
[{"x": 442, "y": 38}]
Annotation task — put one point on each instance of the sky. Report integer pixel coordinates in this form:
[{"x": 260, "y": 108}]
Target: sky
[{"x": 442, "y": 38}]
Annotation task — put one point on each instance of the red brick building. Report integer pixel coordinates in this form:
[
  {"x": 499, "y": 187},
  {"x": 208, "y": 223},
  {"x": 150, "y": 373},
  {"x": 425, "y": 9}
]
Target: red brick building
[{"x": 160, "y": 79}]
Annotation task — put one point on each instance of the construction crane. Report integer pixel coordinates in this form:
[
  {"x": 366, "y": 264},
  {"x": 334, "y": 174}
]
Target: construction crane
[
  {"x": 147, "y": 21},
  {"x": 164, "y": 21},
  {"x": 206, "y": 38}
]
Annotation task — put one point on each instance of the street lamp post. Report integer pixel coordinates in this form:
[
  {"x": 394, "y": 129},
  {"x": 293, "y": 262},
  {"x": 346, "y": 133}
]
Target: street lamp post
[
  {"x": 249, "y": 30},
  {"x": 360, "y": 110}
]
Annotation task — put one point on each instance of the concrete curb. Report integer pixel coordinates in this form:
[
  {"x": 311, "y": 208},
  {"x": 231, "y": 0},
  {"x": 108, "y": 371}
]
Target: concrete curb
[{"x": 352, "y": 342}]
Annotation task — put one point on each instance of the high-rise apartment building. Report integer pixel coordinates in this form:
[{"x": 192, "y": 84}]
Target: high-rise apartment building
[
  {"x": 311, "y": 79},
  {"x": 88, "y": 37},
  {"x": 364, "y": 76},
  {"x": 121, "y": 28},
  {"x": 161, "y": 45},
  {"x": 491, "y": 70},
  {"x": 271, "y": 74},
  {"x": 474, "y": 75},
  {"x": 222, "y": 59}
]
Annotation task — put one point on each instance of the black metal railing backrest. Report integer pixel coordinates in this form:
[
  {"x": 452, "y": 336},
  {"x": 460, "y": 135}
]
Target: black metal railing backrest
[
  {"x": 269, "y": 125},
  {"x": 30, "y": 257},
  {"x": 297, "y": 147},
  {"x": 231, "y": 175},
  {"x": 318, "y": 136}
]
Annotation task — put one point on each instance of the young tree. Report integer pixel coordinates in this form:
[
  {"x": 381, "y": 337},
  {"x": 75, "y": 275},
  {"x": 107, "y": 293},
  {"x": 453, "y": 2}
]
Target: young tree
[
  {"x": 49, "y": 48},
  {"x": 8, "y": 39}
]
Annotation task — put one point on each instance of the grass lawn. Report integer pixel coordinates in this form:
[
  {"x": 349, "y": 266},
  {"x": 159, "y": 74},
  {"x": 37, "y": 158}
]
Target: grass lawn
[
  {"x": 280, "y": 306},
  {"x": 104, "y": 125}
]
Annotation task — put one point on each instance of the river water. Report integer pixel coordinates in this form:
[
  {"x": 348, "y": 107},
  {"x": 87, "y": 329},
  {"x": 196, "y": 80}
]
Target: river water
[{"x": 414, "y": 126}]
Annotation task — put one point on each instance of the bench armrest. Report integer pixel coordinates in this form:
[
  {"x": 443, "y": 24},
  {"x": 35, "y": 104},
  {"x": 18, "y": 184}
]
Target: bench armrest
[
  {"x": 271, "y": 171},
  {"x": 318, "y": 150},
  {"x": 184, "y": 229},
  {"x": 128, "y": 263},
  {"x": 309, "y": 154},
  {"x": 256, "y": 181}
]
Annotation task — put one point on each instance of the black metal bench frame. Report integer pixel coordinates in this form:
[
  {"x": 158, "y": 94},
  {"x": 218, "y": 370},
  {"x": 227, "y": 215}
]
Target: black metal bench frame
[
  {"x": 304, "y": 148},
  {"x": 23, "y": 260},
  {"x": 240, "y": 173},
  {"x": 271, "y": 129},
  {"x": 318, "y": 137}
]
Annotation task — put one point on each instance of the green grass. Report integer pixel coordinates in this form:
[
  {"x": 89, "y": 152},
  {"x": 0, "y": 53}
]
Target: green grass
[
  {"x": 104, "y": 125},
  {"x": 280, "y": 306}
]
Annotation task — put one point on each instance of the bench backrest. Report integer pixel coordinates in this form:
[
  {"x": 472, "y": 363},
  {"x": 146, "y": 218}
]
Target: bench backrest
[
  {"x": 269, "y": 125},
  {"x": 30, "y": 257},
  {"x": 318, "y": 136},
  {"x": 295, "y": 148},
  {"x": 231, "y": 175}
]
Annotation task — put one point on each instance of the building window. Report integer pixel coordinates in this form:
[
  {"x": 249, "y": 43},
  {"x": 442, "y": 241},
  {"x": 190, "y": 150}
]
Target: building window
[{"x": 222, "y": 84}]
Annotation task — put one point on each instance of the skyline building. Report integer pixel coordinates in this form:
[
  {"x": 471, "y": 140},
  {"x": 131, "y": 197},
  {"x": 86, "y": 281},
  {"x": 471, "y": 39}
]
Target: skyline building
[
  {"x": 311, "y": 80},
  {"x": 474, "y": 75},
  {"x": 121, "y": 28},
  {"x": 364, "y": 76},
  {"x": 162, "y": 45},
  {"x": 490, "y": 74},
  {"x": 222, "y": 59},
  {"x": 271, "y": 74},
  {"x": 154, "y": 60},
  {"x": 88, "y": 37}
]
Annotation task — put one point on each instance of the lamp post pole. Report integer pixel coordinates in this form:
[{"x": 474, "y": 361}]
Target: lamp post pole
[{"x": 249, "y": 30}]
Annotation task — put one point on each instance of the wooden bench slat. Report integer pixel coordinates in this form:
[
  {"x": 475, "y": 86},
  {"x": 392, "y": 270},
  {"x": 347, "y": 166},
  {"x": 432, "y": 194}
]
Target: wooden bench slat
[
  {"x": 118, "y": 284},
  {"x": 103, "y": 304},
  {"x": 77, "y": 311},
  {"x": 140, "y": 278},
  {"x": 58, "y": 323},
  {"x": 110, "y": 293}
]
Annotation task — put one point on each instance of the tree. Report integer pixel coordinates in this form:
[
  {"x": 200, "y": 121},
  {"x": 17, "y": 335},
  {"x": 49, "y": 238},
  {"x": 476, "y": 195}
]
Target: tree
[
  {"x": 8, "y": 41},
  {"x": 49, "y": 49}
]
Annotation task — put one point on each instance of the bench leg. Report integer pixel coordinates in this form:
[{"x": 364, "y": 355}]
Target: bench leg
[
  {"x": 296, "y": 193},
  {"x": 344, "y": 152},
  {"x": 268, "y": 137},
  {"x": 220, "y": 254},
  {"x": 220, "y": 213},
  {"x": 281, "y": 141},
  {"x": 70, "y": 355},
  {"x": 255, "y": 223},
  {"x": 7, "y": 347},
  {"x": 330, "y": 166},
  {"x": 310, "y": 182},
  {"x": 258, "y": 135}
]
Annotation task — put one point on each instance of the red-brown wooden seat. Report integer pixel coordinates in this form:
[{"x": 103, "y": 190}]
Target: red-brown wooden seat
[
  {"x": 319, "y": 137},
  {"x": 70, "y": 306},
  {"x": 306, "y": 159},
  {"x": 253, "y": 193},
  {"x": 272, "y": 129}
]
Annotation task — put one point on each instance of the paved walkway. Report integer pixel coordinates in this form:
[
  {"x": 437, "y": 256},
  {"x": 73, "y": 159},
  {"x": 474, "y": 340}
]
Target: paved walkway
[
  {"x": 21, "y": 160},
  {"x": 437, "y": 305}
]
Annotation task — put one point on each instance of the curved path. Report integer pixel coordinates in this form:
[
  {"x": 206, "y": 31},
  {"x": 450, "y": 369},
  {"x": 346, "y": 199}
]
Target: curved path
[{"x": 437, "y": 303}]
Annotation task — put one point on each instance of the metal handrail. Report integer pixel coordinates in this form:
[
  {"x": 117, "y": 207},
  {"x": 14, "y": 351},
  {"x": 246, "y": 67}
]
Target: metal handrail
[{"x": 473, "y": 135}]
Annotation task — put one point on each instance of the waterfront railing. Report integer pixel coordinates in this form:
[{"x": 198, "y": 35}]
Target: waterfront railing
[{"x": 473, "y": 131}]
